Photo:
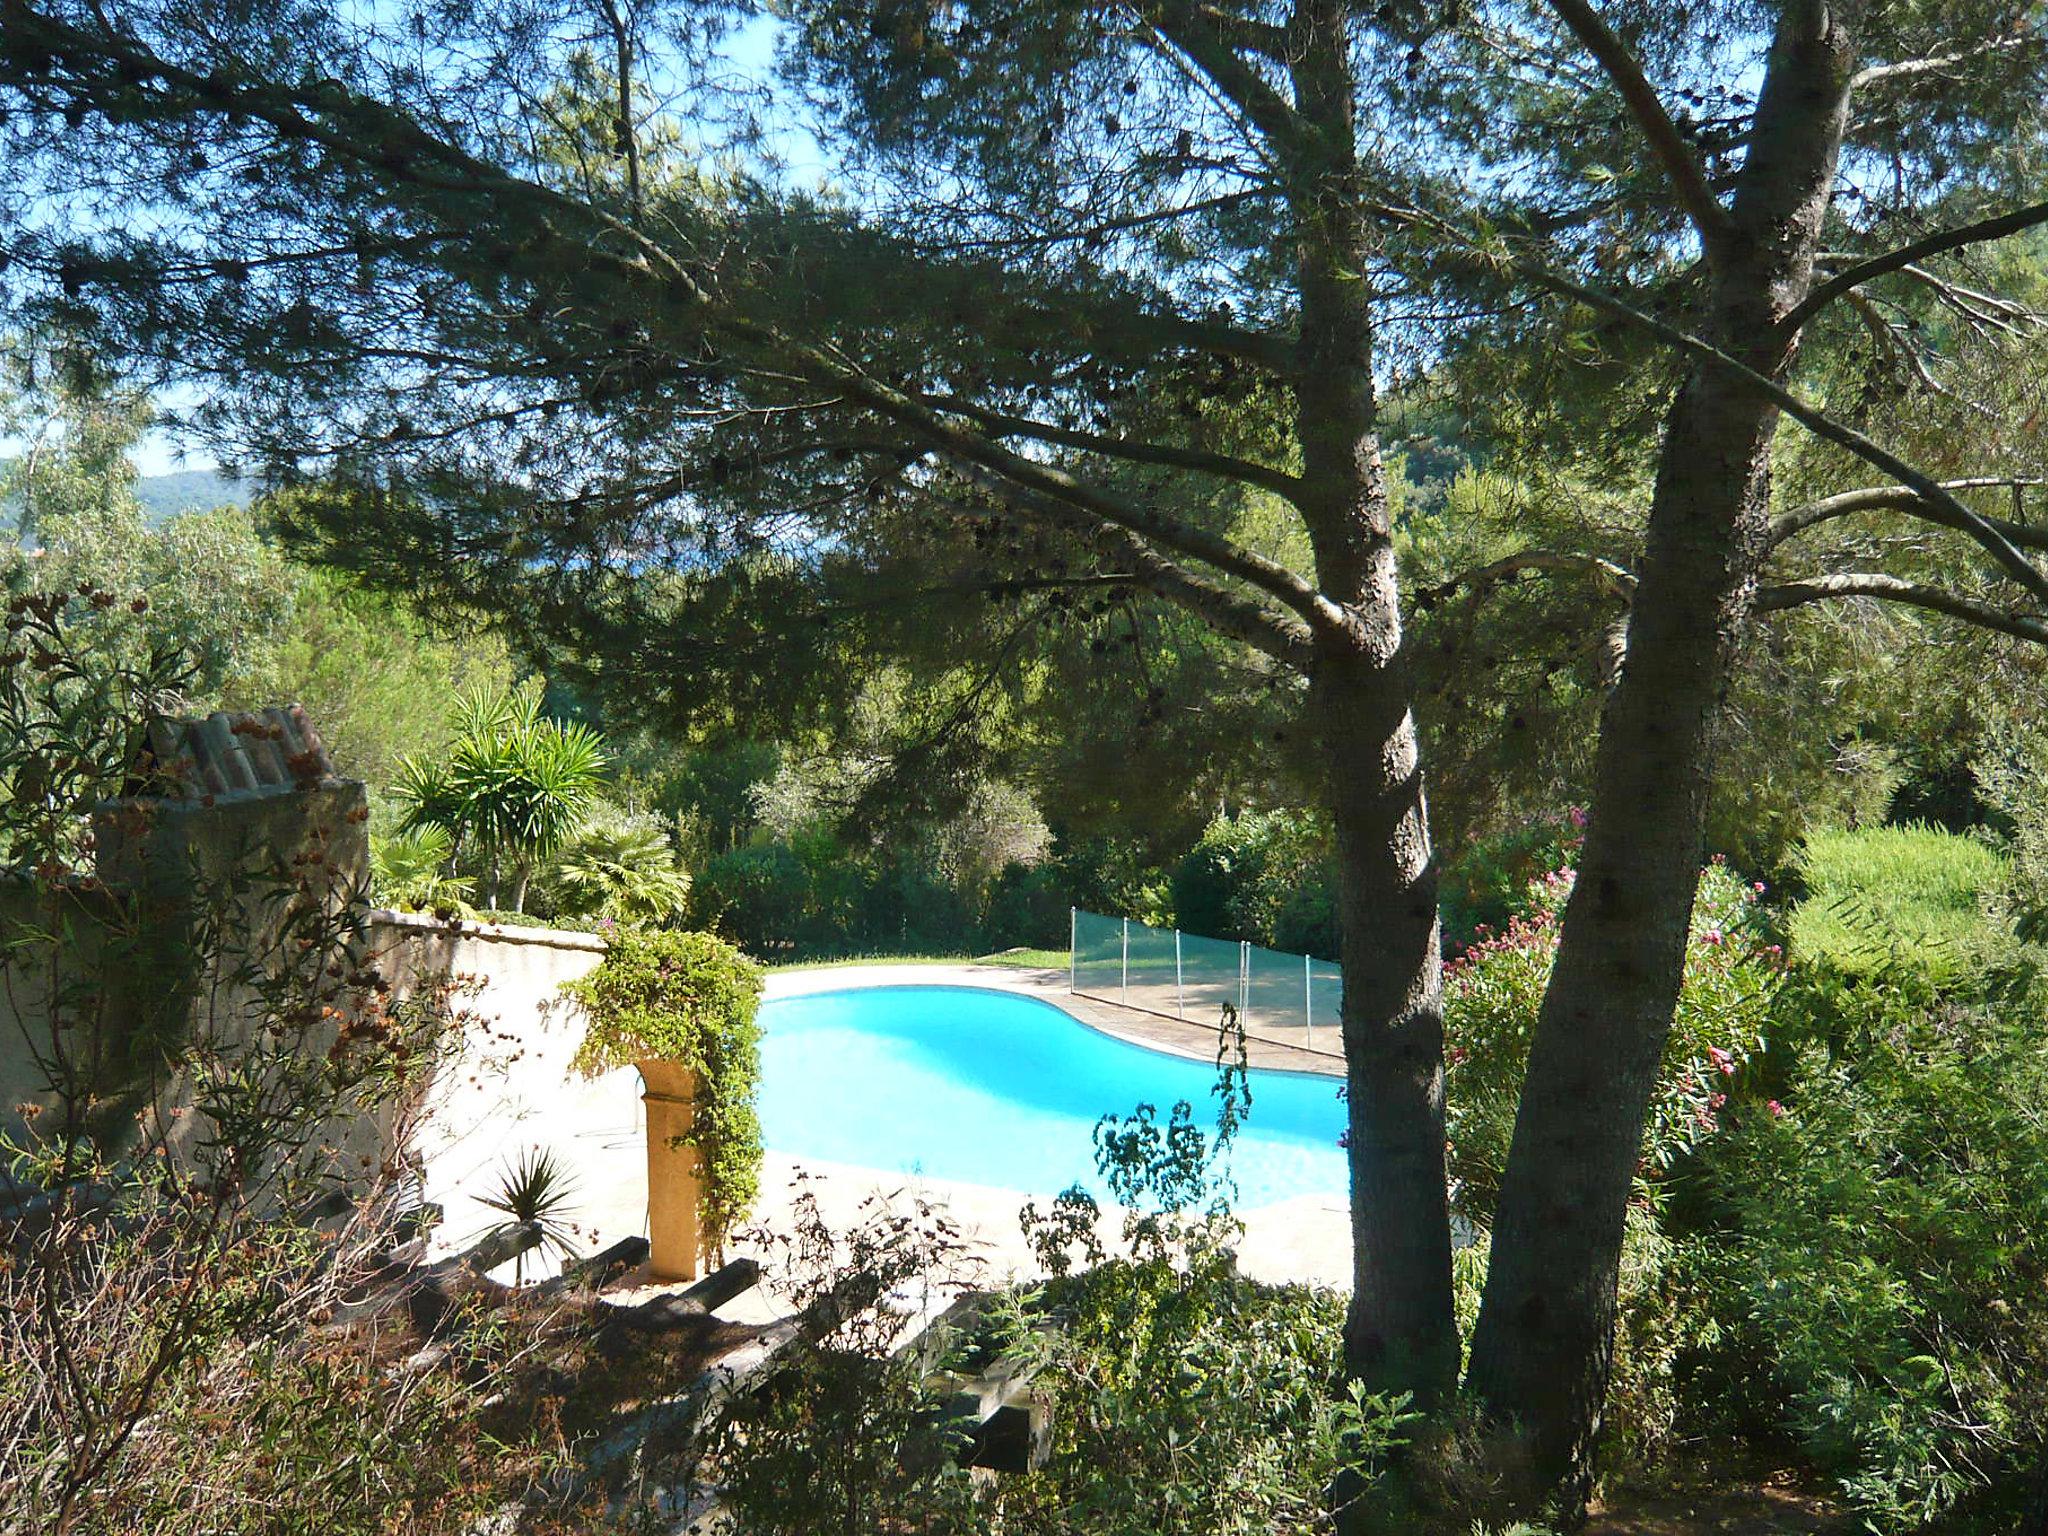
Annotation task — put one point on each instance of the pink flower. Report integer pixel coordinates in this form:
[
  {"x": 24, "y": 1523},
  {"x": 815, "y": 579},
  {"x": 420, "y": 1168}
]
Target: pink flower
[
  {"x": 1758, "y": 887},
  {"x": 1777, "y": 1109},
  {"x": 1717, "y": 1101},
  {"x": 1711, "y": 936},
  {"x": 1722, "y": 1060},
  {"x": 1577, "y": 816}
]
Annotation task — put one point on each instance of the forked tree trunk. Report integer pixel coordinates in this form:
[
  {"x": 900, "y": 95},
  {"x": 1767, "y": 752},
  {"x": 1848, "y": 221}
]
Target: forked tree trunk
[
  {"x": 1401, "y": 1332},
  {"x": 1543, "y": 1346}
]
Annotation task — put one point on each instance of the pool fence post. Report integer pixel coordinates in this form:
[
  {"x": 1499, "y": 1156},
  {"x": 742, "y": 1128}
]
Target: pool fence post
[
  {"x": 1180, "y": 990},
  {"x": 1073, "y": 954},
  {"x": 1244, "y": 980},
  {"x": 1127, "y": 962},
  {"x": 1308, "y": 1002}
]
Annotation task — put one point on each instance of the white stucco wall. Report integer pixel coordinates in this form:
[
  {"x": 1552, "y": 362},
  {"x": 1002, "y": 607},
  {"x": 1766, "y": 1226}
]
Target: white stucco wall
[{"x": 507, "y": 1087}]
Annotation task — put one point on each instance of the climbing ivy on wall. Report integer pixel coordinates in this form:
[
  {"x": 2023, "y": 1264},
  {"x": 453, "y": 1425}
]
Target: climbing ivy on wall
[{"x": 688, "y": 998}]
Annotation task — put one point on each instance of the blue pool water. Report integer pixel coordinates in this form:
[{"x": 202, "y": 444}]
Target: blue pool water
[{"x": 991, "y": 1088}]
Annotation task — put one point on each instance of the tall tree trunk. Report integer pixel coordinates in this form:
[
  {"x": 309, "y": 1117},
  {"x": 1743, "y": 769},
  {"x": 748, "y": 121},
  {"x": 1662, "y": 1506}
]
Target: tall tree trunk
[
  {"x": 1400, "y": 1333},
  {"x": 1544, "y": 1341}
]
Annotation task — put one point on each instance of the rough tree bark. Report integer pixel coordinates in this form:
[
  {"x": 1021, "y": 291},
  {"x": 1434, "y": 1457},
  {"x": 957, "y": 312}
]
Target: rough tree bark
[
  {"x": 1543, "y": 1345},
  {"x": 1400, "y": 1333}
]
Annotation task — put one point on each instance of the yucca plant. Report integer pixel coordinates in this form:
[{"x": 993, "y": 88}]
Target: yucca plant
[
  {"x": 515, "y": 786},
  {"x": 621, "y": 867},
  {"x": 536, "y": 1191}
]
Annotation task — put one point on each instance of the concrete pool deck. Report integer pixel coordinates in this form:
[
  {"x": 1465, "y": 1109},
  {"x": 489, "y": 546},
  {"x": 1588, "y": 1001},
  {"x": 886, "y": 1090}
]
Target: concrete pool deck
[{"x": 526, "y": 1098}]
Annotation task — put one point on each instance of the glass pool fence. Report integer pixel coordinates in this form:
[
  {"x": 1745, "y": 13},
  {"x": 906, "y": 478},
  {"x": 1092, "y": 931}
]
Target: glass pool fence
[{"x": 1278, "y": 996}]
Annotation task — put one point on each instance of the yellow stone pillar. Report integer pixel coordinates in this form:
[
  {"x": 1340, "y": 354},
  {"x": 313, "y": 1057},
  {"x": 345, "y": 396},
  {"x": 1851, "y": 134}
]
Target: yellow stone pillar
[{"x": 675, "y": 1184}]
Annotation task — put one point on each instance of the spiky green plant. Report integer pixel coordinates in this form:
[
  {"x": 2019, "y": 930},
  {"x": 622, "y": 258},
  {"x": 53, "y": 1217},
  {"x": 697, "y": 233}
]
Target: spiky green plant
[
  {"x": 515, "y": 785},
  {"x": 536, "y": 1191}
]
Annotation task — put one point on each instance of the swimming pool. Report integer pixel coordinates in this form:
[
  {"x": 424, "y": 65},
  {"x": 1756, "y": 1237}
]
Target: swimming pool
[{"x": 992, "y": 1088}]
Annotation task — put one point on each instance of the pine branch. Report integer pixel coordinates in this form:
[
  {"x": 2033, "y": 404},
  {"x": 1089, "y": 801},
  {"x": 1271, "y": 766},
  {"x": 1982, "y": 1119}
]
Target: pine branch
[
  {"x": 1193, "y": 31},
  {"x": 1045, "y": 482},
  {"x": 1688, "y": 177},
  {"x": 1893, "y": 589},
  {"x": 1810, "y": 416},
  {"x": 1906, "y": 69},
  {"x": 1228, "y": 611},
  {"x": 1605, "y": 574},
  {"x": 1900, "y": 498},
  {"x": 1134, "y": 450},
  {"x": 1931, "y": 492},
  {"x": 1978, "y": 233}
]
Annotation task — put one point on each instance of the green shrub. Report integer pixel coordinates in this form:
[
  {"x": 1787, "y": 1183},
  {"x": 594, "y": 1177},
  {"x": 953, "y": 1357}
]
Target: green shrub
[
  {"x": 1114, "y": 876},
  {"x": 408, "y": 871},
  {"x": 688, "y": 998},
  {"x": 1028, "y": 907},
  {"x": 1255, "y": 873},
  {"x": 1187, "y": 1398},
  {"x": 1888, "y": 893},
  {"x": 761, "y": 897},
  {"x": 1872, "y": 1249},
  {"x": 898, "y": 905},
  {"x": 1493, "y": 991},
  {"x": 618, "y": 865}
]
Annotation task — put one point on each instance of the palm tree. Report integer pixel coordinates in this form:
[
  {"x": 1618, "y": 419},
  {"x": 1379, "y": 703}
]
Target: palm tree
[
  {"x": 621, "y": 867},
  {"x": 515, "y": 786},
  {"x": 409, "y": 871}
]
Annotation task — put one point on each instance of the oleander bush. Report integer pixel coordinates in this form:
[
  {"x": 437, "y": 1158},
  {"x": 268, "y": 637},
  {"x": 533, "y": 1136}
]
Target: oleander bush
[
  {"x": 1866, "y": 1250},
  {"x": 1492, "y": 993},
  {"x": 1488, "y": 881}
]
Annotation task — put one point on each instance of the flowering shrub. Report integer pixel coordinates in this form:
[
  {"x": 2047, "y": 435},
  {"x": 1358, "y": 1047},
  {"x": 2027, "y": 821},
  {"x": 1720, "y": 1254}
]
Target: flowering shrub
[
  {"x": 1488, "y": 882},
  {"x": 1871, "y": 1256},
  {"x": 1493, "y": 991}
]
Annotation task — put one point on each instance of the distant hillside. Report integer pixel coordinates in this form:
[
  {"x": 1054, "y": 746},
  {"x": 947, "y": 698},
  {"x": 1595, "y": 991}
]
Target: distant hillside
[{"x": 190, "y": 490}]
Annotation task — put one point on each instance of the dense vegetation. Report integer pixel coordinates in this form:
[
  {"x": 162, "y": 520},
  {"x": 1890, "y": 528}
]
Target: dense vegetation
[
  {"x": 1535, "y": 499},
  {"x": 1839, "y": 1192}
]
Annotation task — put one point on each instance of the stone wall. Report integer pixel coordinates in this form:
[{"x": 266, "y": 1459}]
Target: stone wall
[{"x": 185, "y": 898}]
